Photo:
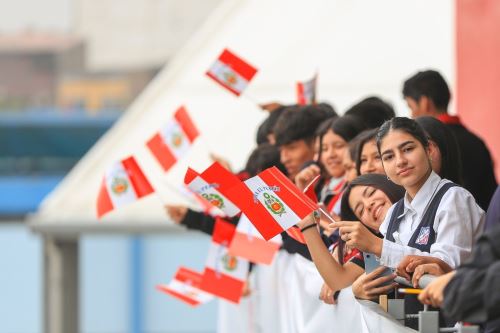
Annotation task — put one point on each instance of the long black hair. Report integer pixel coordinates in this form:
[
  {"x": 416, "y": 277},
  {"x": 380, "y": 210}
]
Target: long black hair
[
  {"x": 441, "y": 135},
  {"x": 347, "y": 127},
  {"x": 404, "y": 124},
  {"x": 394, "y": 193}
]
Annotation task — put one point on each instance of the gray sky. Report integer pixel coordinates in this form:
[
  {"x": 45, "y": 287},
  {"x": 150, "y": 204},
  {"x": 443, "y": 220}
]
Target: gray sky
[{"x": 45, "y": 15}]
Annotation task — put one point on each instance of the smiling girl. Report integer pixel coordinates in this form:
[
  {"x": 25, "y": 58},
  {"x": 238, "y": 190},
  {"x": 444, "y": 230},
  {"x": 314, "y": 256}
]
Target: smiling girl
[{"x": 436, "y": 217}]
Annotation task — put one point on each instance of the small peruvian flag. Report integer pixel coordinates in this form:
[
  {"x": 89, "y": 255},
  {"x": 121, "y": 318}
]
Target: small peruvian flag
[
  {"x": 309, "y": 191},
  {"x": 232, "y": 72},
  {"x": 306, "y": 91},
  {"x": 186, "y": 287},
  {"x": 249, "y": 244},
  {"x": 174, "y": 140},
  {"x": 271, "y": 202},
  {"x": 213, "y": 185},
  {"x": 224, "y": 275},
  {"x": 123, "y": 183}
]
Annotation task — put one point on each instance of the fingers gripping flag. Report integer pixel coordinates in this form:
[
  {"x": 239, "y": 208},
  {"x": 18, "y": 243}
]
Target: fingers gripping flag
[
  {"x": 213, "y": 185},
  {"x": 174, "y": 140},
  {"x": 271, "y": 202},
  {"x": 232, "y": 72},
  {"x": 224, "y": 274},
  {"x": 185, "y": 286},
  {"x": 123, "y": 183}
]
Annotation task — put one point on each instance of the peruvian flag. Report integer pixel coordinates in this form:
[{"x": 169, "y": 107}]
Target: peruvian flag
[
  {"x": 249, "y": 244},
  {"x": 213, "y": 185},
  {"x": 310, "y": 189},
  {"x": 296, "y": 234},
  {"x": 185, "y": 286},
  {"x": 224, "y": 275},
  {"x": 123, "y": 183},
  {"x": 232, "y": 72},
  {"x": 174, "y": 140},
  {"x": 271, "y": 202},
  {"x": 306, "y": 91}
]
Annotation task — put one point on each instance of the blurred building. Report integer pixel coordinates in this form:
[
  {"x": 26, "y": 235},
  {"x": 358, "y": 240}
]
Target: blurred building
[{"x": 32, "y": 64}]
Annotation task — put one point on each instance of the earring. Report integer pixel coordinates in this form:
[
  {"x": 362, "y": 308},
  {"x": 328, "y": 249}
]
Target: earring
[{"x": 388, "y": 178}]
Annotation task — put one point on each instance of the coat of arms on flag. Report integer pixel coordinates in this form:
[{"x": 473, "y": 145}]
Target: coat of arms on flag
[
  {"x": 185, "y": 286},
  {"x": 271, "y": 202},
  {"x": 306, "y": 91},
  {"x": 232, "y": 72},
  {"x": 174, "y": 140},
  {"x": 224, "y": 274},
  {"x": 213, "y": 185},
  {"x": 123, "y": 183}
]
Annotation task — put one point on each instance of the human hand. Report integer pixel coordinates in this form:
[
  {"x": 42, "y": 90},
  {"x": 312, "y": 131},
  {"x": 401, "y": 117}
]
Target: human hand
[
  {"x": 433, "y": 293},
  {"x": 411, "y": 262},
  {"x": 222, "y": 161},
  {"x": 306, "y": 175},
  {"x": 246, "y": 289},
  {"x": 370, "y": 286},
  {"x": 356, "y": 235},
  {"x": 327, "y": 295},
  {"x": 176, "y": 213}
]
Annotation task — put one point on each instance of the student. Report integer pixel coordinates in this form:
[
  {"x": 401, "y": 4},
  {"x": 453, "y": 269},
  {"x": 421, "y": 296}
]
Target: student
[
  {"x": 372, "y": 110},
  {"x": 368, "y": 157},
  {"x": 435, "y": 218},
  {"x": 446, "y": 161},
  {"x": 265, "y": 130},
  {"x": 370, "y": 191},
  {"x": 427, "y": 94},
  {"x": 294, "y": 133},
  {"x": 349, "y": 164},
  {"x": 333, "y": 136},
  {"x": 470, "y": 293}
]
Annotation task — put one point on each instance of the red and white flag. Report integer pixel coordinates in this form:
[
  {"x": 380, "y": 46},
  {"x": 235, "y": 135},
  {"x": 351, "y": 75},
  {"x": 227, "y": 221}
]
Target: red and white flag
[
  {"x": 306, "y": 91},
  {"x": 123, "y": 183},
  {"x": 185, "y": 286},
  {"x": 310, "y": 189},
  {"x": 271, "y": 202},
  {"x": 224, "y": 274},
  {"x": 174, "y": 140},
  {"x": 232, "y": 72},
  {"x": 213, "y": 185},
  {"x": 248, "y": 243}
]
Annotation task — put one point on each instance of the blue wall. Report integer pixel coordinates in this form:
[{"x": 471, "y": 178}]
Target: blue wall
[{"x": 106, "y": 283}]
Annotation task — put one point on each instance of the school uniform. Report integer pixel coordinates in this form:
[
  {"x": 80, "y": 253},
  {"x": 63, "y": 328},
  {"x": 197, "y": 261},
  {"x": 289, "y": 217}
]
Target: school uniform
[{"x": 443, "y": 221}]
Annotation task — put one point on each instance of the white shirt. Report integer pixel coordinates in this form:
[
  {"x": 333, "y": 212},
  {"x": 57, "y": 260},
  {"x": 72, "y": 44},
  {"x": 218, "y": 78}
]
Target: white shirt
[{"x": 458, "y": 223}]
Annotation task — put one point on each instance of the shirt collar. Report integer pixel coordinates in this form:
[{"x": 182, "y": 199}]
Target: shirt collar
[{"x": 423, "y": 196}]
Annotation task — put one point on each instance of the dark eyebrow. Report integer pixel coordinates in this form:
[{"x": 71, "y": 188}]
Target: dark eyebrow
[
  {"x": 359, "y": 203},
  {"x": 400, "y": 146}
]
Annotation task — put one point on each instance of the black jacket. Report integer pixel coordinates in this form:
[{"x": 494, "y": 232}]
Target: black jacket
[
  {"x": 473, "y": 294},
  {"x": 477, "y": 166}
]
